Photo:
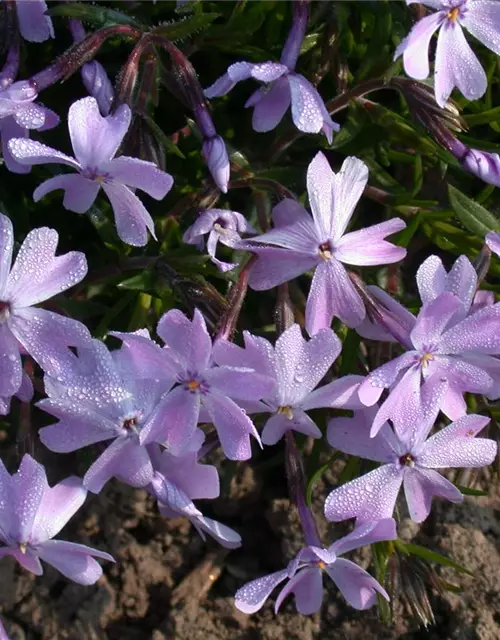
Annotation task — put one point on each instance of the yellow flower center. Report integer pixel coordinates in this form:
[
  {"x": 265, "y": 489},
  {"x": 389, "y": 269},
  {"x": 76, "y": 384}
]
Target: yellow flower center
[
  {"x": 321, "y": 564},
  {"x": 325, "y": 252},
  {"x": 286, "y": 411},
  {"x": 193, "y": 385},
  {"x": 453, "y": 14},
  {"x": 425, "y": 359}
]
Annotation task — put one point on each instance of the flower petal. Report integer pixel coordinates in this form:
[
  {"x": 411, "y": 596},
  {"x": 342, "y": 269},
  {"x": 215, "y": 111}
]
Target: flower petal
[
  {"x": 139, "y": 174},
  {"x": 240, "y": 384},
  {"x": 188, "y": 339},
  {"x": 367, "y": 498},
  {"x": 38, "y": 274},
  {"x": 421, "y": 485},
  {"x": 367, "y": 247},
  {"x": 432, "y": 321},
  {"x": 307, "y": 113},
  {"x": 289, "y": 212},
  {"x": 252, "y": 596},
  {"x": 270, "y": 109},
  {"x": 482, "y": 19},
  {"x": 34, "y": 24},
  {"x": 307, "y": 587},
  {"x": 11, "y": 367},
  {"x": 96, "y": 139},
  {"x": 478, "y": 333},
  {"x": 456, "y": 65},
  {"x": 365, "y": 534},
  {"x": 276, "y": 266},
  {"x": 58, "y": 505},
  {"x": 456, "y": 445},
  {"x": 131, "y": 216},
  {"x": 415, "y": 47},
  {"x": 278, "y": 424},
  {"x": 79, "y": 192},
  {"x": 30, "y": 152},
  {"x": 350, "y": 182},
  {"x": 73, "y": 560},
  {"x": 358, "y": 587},
  {"x": 27, "y": 488},
  {"x": 225, "y": 536},
  {"x": 339, "y": 394},
  {"x": 320, "y": 183},
  {"x": 332, "y": 294},
  {"x": 10, "y": 129}
]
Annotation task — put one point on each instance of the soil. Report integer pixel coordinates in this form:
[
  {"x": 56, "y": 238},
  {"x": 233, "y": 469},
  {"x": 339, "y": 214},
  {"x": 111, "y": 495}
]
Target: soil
[{"x": 169, "y": 584}]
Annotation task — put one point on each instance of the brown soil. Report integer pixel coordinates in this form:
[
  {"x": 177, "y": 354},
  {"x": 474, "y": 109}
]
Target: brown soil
[{"x": 167, "y": 583}]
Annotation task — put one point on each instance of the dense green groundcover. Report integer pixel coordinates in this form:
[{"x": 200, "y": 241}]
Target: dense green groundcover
[{"x": 348, "y": 53}]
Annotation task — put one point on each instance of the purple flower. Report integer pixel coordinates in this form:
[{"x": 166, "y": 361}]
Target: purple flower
[
  {"x": 410, "y": 459},
  {"x": 282, "y": 87},
  {"x": 18, "y": 113},
  {"x": 98, "y": 397},
  {"x": 299, "y": 243},
  {"x": 3, "y": 633},
  {"x": 221, "y": 225},
  {"x": 482, "y": 164},
  {"x": 37, "y": 275},
  {"x": 456, "y": 65},
  {"x": 201, "y": 386},
  {"x": 297, "y": 366},
  {"x": 95, "y": 142},
  {"x": 493, "y": 242},
  {"x": 442, "y": 341},
  {"x": 32, "y": 513},
  {"x": 34, "y": 25},
  {"x": 177, "y": 481},
  {"x": 304, "y": 574}
]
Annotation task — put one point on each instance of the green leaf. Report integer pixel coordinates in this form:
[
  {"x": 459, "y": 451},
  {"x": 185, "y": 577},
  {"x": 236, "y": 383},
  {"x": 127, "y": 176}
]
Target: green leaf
[
  {"x": 93, "y": 13},
  {"x": 184, "y": 28},
  {"x": 162, "y": 138},
  {"x": 471, "y": 214},
  {"x": 431, "y": 556},
  {"x": 471, "y": 492},
  {"x": 316, "y": 477}
]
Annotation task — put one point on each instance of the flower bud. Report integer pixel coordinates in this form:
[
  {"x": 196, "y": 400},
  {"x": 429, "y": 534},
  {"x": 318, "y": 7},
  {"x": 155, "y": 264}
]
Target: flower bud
[
  {"x": 215, "y": 153},
  {"x": 98, "y": 85},
  {"x": 482, "y": 164}
]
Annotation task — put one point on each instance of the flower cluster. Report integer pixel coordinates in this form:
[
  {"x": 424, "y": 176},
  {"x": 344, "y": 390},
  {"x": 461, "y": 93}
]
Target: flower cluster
[{"x": 159, "y": 405}]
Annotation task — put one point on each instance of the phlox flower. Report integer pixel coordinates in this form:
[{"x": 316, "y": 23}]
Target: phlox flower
[
  {"x": 297, "y": 366},
  {"x": 282, "y": 87},
  {"x": 97, "y": 397},
  {"x": 95, "y": 141},
  {"x": 493, "y": 241},
  {"x": 455, "y": 65},
  {"x": 177, "y": 481},
  {"x": 410, "y": 458},
  {"x": 32, "y": 513},
  {"x": 204, "y": 391},
  {"x": 445, "y": 339},
  {"x": 34, "y": 25},
  {"x": 222, "y": 226},
  {"x": 36, "y": 275},
  {"x": 300, "y": 242},
  {"x": 18, "y": 113},
  {"x": 304, "y": 574}
]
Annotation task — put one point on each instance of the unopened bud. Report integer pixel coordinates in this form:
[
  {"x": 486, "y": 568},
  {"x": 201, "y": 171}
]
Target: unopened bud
[
  {"x": 98, "y": 85},
  {"x": 483, "y": 165},
  {"x": 215, "y": 153}
]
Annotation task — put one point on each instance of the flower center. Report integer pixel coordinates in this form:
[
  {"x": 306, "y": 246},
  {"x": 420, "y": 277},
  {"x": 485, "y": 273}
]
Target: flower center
[
  {"x": 193, "y": 385},
  {"x": 23, "y": 547},
  {"x": 130, "y": 423},
  {"x": 4, "y": 312},
  {"x": 325, "y": 251},
  {"x": 425, "y": 359},
  {"x": 286, "y": 411},
  {"x": 321, "y": 564},
  {"x": 407, "y": 460},
  {"x": 453, "y": 14}
]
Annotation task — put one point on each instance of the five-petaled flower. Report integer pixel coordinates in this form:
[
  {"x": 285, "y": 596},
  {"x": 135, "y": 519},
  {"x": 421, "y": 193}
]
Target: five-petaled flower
[
  {"x": 32, "y": 513},
  {"x": 410, "y": 458},
  {"x": 95, "y": 141},
  {"x": 297, "y": 366},
  {"x": 222, "y": 226},
  {"x": 456, "y": 65},
  {"x": 305, "y": 574},
  {"x": 300, "y": 242}
]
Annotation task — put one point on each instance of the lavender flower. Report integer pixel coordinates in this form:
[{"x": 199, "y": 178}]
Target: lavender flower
[
  {"x": 283, "y": 87},
  {"x": 34, "y": 25},
  {"x": 201, "y": 386},
  {"x": 32, "y": 513},
  {"x": 95, "y": 142},
  {"x": 99, "y": 397},
  {"x": 482, "y": 164},
  {"x": 37, "y": 275},
  {"x": 297, "y": 366},
  {"x": 215, "y": 154},
  {"x": 444, "y": 341},
  {"x": 299, "y": 243},
  {"x": 18, "y": 113},
  {"x": 3, "y": 633},
  {"x": 177, "y": 481},
  {"x": 410, "y": 459},
  {"x": 305, "y": 574},
  {"x": 221, "y": 225},
  {"x": 456, "y": 65}
]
